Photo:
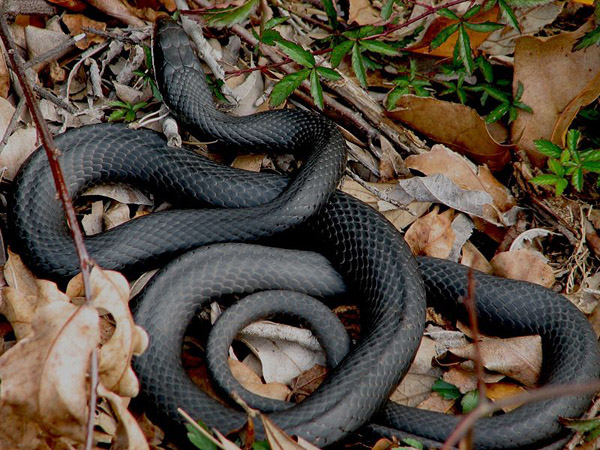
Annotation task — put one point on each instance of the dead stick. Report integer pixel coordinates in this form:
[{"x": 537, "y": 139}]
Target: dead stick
[{"x": 52, "y": 153}]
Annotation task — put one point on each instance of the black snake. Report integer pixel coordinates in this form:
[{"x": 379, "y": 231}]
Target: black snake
[{"x": 362, "y": 253}]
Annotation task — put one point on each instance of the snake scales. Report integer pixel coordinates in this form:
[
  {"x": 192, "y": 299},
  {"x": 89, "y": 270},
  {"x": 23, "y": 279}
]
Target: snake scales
[{"x": 362, "y": 253}]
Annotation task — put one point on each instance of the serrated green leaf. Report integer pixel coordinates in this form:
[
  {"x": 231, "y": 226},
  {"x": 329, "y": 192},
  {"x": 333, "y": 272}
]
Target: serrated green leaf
[
  {"x": 448, "y": 14},
  {"x": 379, "y": 47},
  {"x": 520, "y": 89},
  {"x": 592, "y": 154},
  {"x": 509, "y": 15},
  {"x": 565, "y": 156},
  {"x": 420, "y": 83},
  {"x": 592, "y": 166},
  {"x": 547, "y": 148},
  {"x": 588, "y": 39},
  {"x": 328, "y": 73},
  {"x": 139, "y": 106},
  {"x": 577, "y": 179},
  {"x": 274, "y": 21},
  {"x": 446, "y": 390},
  {"x": 469, "y": 402},
  {"x": 393, "y": 97},
  {"x": 421, "y": 92},
  {"x": 523, "y": 106},
  {"x": 582, "y": 425},
  {"x": 556, "y": 167},
  {"x": 316, "y": 90},
  {"x": 546, "y": 179},
  {"x": 358, "y": 66},
  {"x": 368, "y": 30},
  {"x": 497, "y": 112},
  {"x": 471, "y": 12},
  {"x": 226, "y": 17},
  {"x": 483, "y": 98},
  {"x": 129, "y": 115},
  {"x": 413, "y": 68},
  {"x": 198, "y": 439},
  {"x": 464, "y": 49},
  {"x": 561, "y": 185},
  {"x": 370, "y": 64},
  {"x": 443, "y": 36},
  {"x": 462, "y": 95},
  {"x": 512, "y": 114},
  {"x": 484, "y": 27},
  {"x": 401, "y": 81},
  {"x": 386, "y": 9},
  {"x": 286, "y": 86},
  {"x": 261, "y": 445},
  {"x": 117, "y": 115},
  {"x": 297, "y": 53},
  {"x": 119, "y": 104},
  {"x": 496, "y": 93},
  {"x": 269, "y": 37},
  {"x": 331, "y": 13},
  {"x": 573, "y": 139},
  {"x": 489, "y": 5},
  {"x": 339, "y": 51},
  {"x": 413, "y": 443},
  {"x": 486, "y": 68}
]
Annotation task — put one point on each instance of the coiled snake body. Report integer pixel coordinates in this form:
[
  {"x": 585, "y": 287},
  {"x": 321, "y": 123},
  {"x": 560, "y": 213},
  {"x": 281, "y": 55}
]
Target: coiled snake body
[{"x": 362, "y": 252}]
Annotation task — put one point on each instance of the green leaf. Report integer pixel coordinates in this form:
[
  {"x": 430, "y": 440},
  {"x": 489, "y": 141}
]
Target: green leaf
[
  {"x": 446, "y": 390},
  {"x": 496, "y": 93},
  {"x": 486, "y": 68},
  {"x": 565, "y": 156},
  {"x": 497, "y": 112},
  {"x": 561, "y": 185},
  {"x": 443, "y": 36},
  {"x": 379, "y": 47},
  {"x": 339, "y": 51},
  {"x": 119, "y": 104},
  {"x": 139, "y": 106},
  {"x": 274, "y": 21},
  {"x": 588, "y": 39},
  {"x": 573, "y": 139},
  {"x": 547, "y": 148},
  {"x": 520, "y": 89},
  {"x": 386, "y": 9},
  {"x": 487, "y": 5},
  {"x": 269, "y": 37},
  {"x": 484, "y": 27},
  {"x": 261, "y": 445},
  {"x": 421, "y": 92},
  {"x": 198, "y": 439},
  {"x": 592, "y": 154},
  {"x": 523, "y": 106},
  {"x": 225, "y": 17},
  {"x": 297, "y": 53},
  {"x": 331, "y": 13},
  {"x": 546, "y": 179},
  {"x": 469, "y": 402},
  {"x": 582, "y": 425},
  {"x": 592, "y": 166},
  {"x": 316, "y": 90},
  {"x": 509, "y": 15},
  {"x": 286, "y": 86},
  {"x": 556, "y": 167},
  {"x": 328, "y": 73},
  {"x": 512, "y": 114},
  {"x": 462, "y": 96},
  {"x": 117, "y": 115},
  {"x": 358, "y": 66},
  {"x": 394, "y": 95},
  {"x": 471, "y": 12},
  {"x": 448, "y": 14},
  {"x": 129, "y": 115},
  {"x": 577, "y": 179},
  {"x": 413, "y": 443},
  {"x": 368, "y": 30},
  {"x": 464, "y": 49}
]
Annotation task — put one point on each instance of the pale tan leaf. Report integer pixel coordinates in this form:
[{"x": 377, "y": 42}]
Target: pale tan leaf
[
  {"x": 499, "y": 391},
  {"x": 432, "y": 234},
  {"x": 523, "y": 265},
  {"x": 362, "y": 13},
  {"x": 519, "y": 358},
  {"x": 20, "y": 145},
  {"x": 252, "y": 163},
  {"x": 254, "y": 384},
  {"x": 75, "y": 24},
  {"x": 56, "y": 358}
]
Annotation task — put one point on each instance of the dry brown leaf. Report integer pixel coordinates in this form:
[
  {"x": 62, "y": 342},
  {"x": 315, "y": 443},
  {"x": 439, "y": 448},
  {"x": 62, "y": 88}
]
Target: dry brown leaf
[
  {"x": 362, "y": 12},
  {"x": 499, "y": 391},
  {"x": 4, "y": 77},
  {"x": 110, "y": 292},
  {"x": 519, "y": 358},
  {"x": 75, "y": 23},
  {"x": 280, "y": 440},
  {"x": 253, "y": 383},
  {"x": 24, "y": 295},
  {"x": 308, "y": 381},
  {"x": 455, "y": 125},
  {"x": 128, "y": 433},
  {"x": 55, "y": 357},
  {"x": 252, "y": 163},
  {"x": 20, "y": 145},
  {"x": 556, "y": 81},
  {"x": 435, "y": 402},
  {"x": 432, "y": 235},
  {"x": 523, "y": 265},
  {"x": 118, "y": 9},
  {"x": 472, "y": 257},
  {"x": 447, "y": 48}
]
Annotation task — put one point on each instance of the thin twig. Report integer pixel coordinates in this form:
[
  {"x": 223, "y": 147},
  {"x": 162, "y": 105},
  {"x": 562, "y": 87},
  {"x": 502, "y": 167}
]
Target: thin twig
[
  {"x": 53, "y": 153},
  {"x": 112, "y": 35},
  {"x": 55, "y": 52},
  {"x": 13, "y": 123},
  {"x": 193, "y": 423}
]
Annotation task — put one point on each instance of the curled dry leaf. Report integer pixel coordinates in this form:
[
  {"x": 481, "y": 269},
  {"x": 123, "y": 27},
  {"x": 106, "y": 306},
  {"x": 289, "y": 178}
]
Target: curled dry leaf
[
  {"x": 253, "y": 383},
  {"x": 362, "y": 13},
  {"x": 280, "y": 440},
  {"x": 56, "y": 357},
  {"x": 519, "y": 358},
  {"x": 557, "y": 83},
  {"x": 110, "y": 292},
  {"x": 432, "y": 235},
  {"x": 24, "y": 295},
  {"x": 455, "y": 125},
  {"x": 523, "y": 265},
  {"x": 75, "y": 24},
  {"x": 120, "y": 10},
  {"x": 499, "y": 391}
]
